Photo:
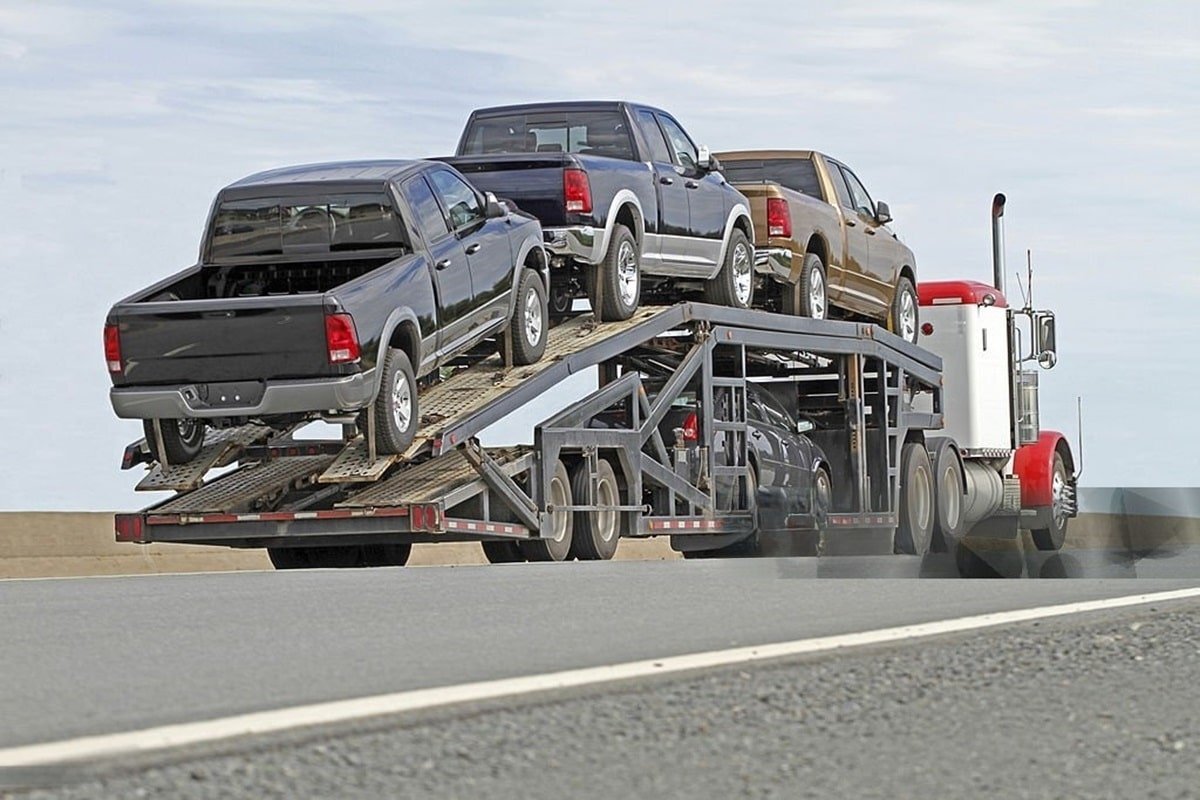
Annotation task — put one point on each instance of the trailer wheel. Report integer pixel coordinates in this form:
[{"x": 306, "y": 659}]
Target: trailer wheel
[
  {"x": 386, "y": 555},
  {"x": 183, "y": 439},
  {"x": 809, "y": 296},
  {"x": 734, "y": 284},
  {"x": 556, "y": 546},
  {"x": 596, "y": 533},
  {"x": 948, "y": 493},
  {"x": 396, "y": 409},
  {"x": 915, "y": 531},
  {"x": 615, "y": 284},
  {"x": 1053, "y": 537},
  {"x": 288, "y": 557},
  {"x": 530, "y": 321},
  {"x": 502, "y": 552},
  {"x": 904, "y": 315}
]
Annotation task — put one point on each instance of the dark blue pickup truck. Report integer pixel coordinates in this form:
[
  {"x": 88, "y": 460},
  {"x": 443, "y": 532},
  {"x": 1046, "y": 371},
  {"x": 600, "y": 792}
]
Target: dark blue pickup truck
[
  {"x": 322, "y": 291},
  {"x": 627, "y": 201}
]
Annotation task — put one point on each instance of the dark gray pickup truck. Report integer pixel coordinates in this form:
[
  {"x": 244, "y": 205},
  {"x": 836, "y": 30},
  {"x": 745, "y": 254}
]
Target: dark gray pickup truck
[
  {"x": 322, "y": 291},
  {"x": 626, "y": 198}
]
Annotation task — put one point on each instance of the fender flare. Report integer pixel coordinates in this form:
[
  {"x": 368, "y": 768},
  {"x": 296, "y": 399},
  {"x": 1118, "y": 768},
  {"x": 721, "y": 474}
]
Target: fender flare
[
  {"x": 739, "y": 211},
  {"x": 530, "y": 243},
  {"x": 1034, "y": 465},
  {"x": 398, "y": 317},
  {"x": 935, "y": 445},
  {"x": 623, "y": 197}
]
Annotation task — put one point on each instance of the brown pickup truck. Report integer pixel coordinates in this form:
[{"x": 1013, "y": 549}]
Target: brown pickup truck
[{"x": 820, "y": 240}]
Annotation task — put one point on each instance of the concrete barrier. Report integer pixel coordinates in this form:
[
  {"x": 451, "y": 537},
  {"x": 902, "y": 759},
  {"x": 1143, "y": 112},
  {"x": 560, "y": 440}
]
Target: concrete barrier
[{"x": 58, "y": 544}]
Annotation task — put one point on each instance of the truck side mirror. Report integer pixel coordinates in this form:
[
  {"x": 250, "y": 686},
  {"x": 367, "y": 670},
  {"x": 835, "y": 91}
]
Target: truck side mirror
[
  {"x": 705, "y": 159},
  {"x": 1044, "y": 339},
  {"x": 882, "y": 212},
  {"x": 495, "y": 209}
]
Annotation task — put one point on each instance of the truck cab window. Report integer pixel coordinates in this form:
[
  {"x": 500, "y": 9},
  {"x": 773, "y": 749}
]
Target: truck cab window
[
  {"x": 686, "y": 154},
  {"x": 430, "y": 219},
  {"x": 659, "y": 152},
  {"x": 602, "y": 133},
  {"x": 839, "y": 186},
  {"x": 460, "y": 201},
  {"x": 862, "y": 200}
]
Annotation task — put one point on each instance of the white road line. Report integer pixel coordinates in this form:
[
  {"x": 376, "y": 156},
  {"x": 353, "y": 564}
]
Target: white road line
[{"x": 263, "y": 722}]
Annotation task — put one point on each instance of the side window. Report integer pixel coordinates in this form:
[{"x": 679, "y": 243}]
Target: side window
[
  {"x": 839, "y": 185},
  {"x": 685, "y": 152},
  {"x": 654, "y": 138},
  {"x": 459, "y": 199},
  {"x": 862, "y": 200},
  {"x": 431, "y": 222}
]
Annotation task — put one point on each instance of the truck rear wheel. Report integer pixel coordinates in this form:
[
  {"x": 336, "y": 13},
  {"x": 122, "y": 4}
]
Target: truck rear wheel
[
  {"x": 1053, "y": 537},
  {"x": 915, "y": 530},
  {"x": 530, "y": 320},
  {"x": 396, "y": 411},
  {"x": 809, "y": 296},
  {"x": 386, "y": 555},
  {"x": 904, "y": 313},
  {"x": 734, "y": 284},
  {"x": 501, "y": 552},
  {"x": 948, "y": 496},
  {"x": 596, "y": 533},
  {"x": 556, "y": 542},
  {"x": 182, "y": 439},
  {"x": 615, "y": 284}
]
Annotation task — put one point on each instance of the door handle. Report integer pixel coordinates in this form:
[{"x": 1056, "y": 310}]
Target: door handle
[
  {"x": 473, "y": 247},
  {"x": 665, "y": 181},
  {"x": 870, "y": 231},
  {"x": 850, "y": 223},
  {"x": 445, "y": 262},
  {"x": 692, "y": 185}
]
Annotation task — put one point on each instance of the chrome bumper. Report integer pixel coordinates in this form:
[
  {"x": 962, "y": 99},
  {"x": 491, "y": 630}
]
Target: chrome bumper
[
  {"x": 347, "y": 393},
  {"x": 774, "y": 261},
  {"x": 583, "y": 243}
]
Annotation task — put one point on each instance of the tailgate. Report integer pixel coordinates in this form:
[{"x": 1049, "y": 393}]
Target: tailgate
[
  {"x": 239, "y": 339},
  {"x": 533, "y": 182}
]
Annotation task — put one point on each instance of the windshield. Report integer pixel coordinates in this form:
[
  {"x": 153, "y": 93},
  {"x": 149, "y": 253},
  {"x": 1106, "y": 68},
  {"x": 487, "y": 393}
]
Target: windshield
[
  {"x": 276, "y": 226},
  {"x": 602, "y": 133},
  {"x": 797, "y": 174}
]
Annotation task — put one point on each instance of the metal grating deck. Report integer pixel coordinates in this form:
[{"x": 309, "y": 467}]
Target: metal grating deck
[
  {"x": 220, "y": 447},
  {"x": 233, "y": 492},
  {"x": 427, "y": 482},
  {"x": 354, "y": 464}
]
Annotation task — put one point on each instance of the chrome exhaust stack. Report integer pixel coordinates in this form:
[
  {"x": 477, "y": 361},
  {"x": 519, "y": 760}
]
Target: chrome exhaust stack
[{"x": 998, "y": 243}]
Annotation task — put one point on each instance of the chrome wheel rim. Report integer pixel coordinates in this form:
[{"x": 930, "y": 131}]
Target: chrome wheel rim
[
  {"x": 816, "y": 295},
  {"x": 921, "y": 506},
  {"x": 558, "y": 498},
  {"x": 188, "y": 429},
  {"x": 627, "y": 274},
  {"x": 824, "y": 493},
  {"x": 951, "y": 490},
  {"x": 606, "y": 520},
  {"x": 402, "y": 402},
  {"x": 533, "y": 318},
  {"x": 742, "y": 274},
  {"x": 908, "y": 317},
  {"x": 1058, "y": 504}
]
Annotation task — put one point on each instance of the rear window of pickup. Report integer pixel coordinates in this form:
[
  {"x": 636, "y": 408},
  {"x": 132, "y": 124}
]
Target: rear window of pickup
[
  {"x": 797, "y": 174},
  {"x": 601, "y": 133},
  {"x": 262, "y": 226}
]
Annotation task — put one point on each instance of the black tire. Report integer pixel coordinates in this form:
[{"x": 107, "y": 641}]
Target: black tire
[
  {"x": 800, "y": 300},
  {"x": 596, "y": 533},
  {"x": 607, "y": 278},
  {"x": 904, "y": 316},
  {"x": 948, "y": 525},
  {"x": 1054, "y": 536},
  {"x": 183, "y": 439},
  {"x": 915, "y": 531},
  {"x": 288, "y": 557},
  {"x": 386, "y": 555},
  {"x": 530, "y": 320},
  {"x": 822, "y": 495},
  {"x": 394, "y": 431},
  {"x": 734, "y": 284},
  {"x": 499, "y": 552},
  {"x": 561, "y": 299},
  {"x": 331, "y": 557},
  {"x": 556, "y": 546}
]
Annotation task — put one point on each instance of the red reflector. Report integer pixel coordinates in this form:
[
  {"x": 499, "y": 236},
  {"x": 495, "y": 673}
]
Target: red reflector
[
  {"x": 416, "y": 518},
  {"x": 341, "y": 339},
  {"x": 112, "y": 348},
  {"x": 577, "y": 191},
  {"x": 691, "y": 427},
  {"x": 779, "y": 218},
  {"x": 927, "y": 329},
  {"x": 129, "y": 527}
]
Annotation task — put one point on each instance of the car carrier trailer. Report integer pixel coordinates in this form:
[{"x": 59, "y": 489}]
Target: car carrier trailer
[{"x": 602, "y": 468}]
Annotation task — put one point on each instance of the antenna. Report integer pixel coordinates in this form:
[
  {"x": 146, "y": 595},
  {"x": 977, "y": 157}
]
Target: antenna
[
  {"x": 1079, "y": 428},
  {"x": 1021, "y": 286},
  {"x": 1029, "y": 267}
]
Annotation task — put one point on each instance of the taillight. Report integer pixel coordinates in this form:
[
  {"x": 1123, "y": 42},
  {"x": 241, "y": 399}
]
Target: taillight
[
  {"x": 577, "y": 191},
  {"x": 691, "y": 427},
  {"x": 779, "y": 218},
  {"x": 112, "y": 348},
  {"x": 341, "y": 339}
]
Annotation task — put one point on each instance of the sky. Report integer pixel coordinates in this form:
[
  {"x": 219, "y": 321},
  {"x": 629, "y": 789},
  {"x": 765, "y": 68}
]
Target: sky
[{"x": 120, "y": 120}]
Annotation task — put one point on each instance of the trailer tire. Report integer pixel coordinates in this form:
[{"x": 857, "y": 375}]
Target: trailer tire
[
  {"x": 948, "y": 525},
  {"x": 915, "y": 531},
  {"x": 530, "y": 321},
  {"x": 396, "y": 406},
  {"x": 904, "y": 316},
  {"x": 502, "y": 552},
  {"x": 596, "y": 533},
  {"x": 809, "y": 296},
  {"x": 183, "y": 439},
  {"x": 386, "y": 555},
  {"x": 557, "y": 546},
  {"x": 615, "y": 284},
  {"x": 288, "y": 557},
  {"x": 1055, "y": 535},
  {"x": 733, "y": 286}
]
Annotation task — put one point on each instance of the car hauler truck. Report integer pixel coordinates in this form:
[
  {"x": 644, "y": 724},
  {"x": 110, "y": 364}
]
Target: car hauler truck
[{"x": 922, "y": 446}]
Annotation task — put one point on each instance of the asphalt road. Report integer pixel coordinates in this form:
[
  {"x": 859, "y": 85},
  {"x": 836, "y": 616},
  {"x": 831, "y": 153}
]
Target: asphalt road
[{"x": 91, "y": 656}]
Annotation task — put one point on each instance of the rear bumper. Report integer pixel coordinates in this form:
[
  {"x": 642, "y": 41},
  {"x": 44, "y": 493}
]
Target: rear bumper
[
  {"x": 773, "y": 261},
  {"x": 583, "y": 242},
  {"x": 346, "y": 393}
]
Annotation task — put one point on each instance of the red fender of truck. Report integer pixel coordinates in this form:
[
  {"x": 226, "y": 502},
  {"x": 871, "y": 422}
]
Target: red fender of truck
[{"x": 1034, "y": 465}]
